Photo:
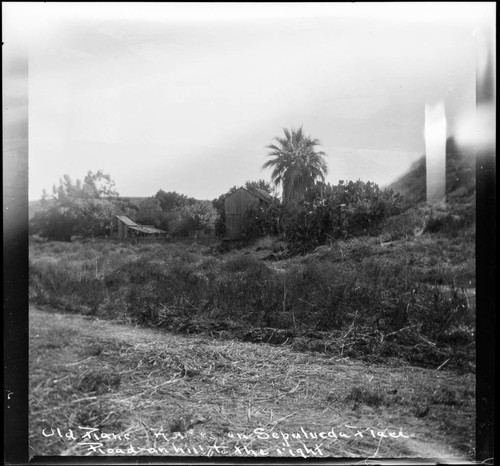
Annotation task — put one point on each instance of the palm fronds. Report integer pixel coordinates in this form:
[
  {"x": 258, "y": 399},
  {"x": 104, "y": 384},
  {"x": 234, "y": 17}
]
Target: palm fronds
[{"x": 295, "y": 162}]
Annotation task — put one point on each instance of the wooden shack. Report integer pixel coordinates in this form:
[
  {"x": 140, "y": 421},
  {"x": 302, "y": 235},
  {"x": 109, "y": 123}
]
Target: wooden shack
[
  {"x": 237, "y": 204},
  {"x": 127, "y": 228}
]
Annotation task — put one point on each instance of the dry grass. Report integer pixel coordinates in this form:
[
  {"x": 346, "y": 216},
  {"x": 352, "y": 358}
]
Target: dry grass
[
  {"x": 411, "y": 298},
  {"x": 175, "y": 395}
]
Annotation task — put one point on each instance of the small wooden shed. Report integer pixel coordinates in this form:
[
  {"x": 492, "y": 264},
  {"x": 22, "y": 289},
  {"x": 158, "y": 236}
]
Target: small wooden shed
[
  {"x": 128, "y": 228},
  {"x": 237, "y": 204}
]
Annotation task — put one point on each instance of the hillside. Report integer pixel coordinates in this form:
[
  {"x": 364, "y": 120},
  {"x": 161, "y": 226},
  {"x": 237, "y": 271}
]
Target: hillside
[{"x": 460, "y": 177}]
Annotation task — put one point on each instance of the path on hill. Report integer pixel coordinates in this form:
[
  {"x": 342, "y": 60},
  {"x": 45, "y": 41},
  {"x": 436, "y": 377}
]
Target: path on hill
[{"x": 155, "y": 393}]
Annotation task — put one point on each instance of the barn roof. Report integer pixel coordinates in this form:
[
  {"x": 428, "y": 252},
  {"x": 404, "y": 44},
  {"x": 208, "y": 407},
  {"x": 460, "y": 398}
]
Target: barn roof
[
  {"x": 260, "y": 193},
  {"x": 124, "y": 219}
]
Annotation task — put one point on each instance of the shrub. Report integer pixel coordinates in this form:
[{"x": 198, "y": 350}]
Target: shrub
[
  {"x": 267, "y": 242},
  {"x": 402, "y": 225},
  {"x": 246, "y": 290},
  {"x": 335, "y": 212},
  {"x": 317, "y": 295},
  {"x": 244, "y": 263},
  {"x": 264, "y": 220},
  {"x": 446, "y": 309},
  {"x": 328, "y": 213},
  {"x": 450, "y": 220},
  {"x": 65, "y": 286}
]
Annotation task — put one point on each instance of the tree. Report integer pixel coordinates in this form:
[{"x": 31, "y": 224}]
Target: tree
[
  {"x": 150, "y": 213},
  {"x": 296, "y": 164},
  {"x": 260, "y": 184},
  {"x": 83, "y": 208},
  {"x": 56, "y": 223},
  {"x": 172, "y": 200},
  {"x": 94, "y": 217},
  {"x": 97, "y": 185},
  {"x": 196, "y": 216}
]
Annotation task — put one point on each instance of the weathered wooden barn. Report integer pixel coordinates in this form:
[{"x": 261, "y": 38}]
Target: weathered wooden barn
[
  {"x": 237, "y": 204},
  {"x": 125, "y": 228}
]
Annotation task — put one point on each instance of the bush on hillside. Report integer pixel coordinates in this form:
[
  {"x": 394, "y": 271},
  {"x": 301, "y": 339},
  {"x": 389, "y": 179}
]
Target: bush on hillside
[
  {"x": 328, "y": 213},
  {"x": 452, "y": 222}
]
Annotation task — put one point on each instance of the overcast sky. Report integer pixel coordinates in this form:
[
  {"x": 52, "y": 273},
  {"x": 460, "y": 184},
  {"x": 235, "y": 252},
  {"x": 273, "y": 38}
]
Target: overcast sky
[{"x": 185, "y": 97}]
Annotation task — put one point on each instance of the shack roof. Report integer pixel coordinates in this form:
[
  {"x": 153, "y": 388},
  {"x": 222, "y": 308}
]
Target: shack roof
[
  {"x": 124, "y": 219},
  {"x": 146, "y": 229},
  {"x": 259, "y": 193}
]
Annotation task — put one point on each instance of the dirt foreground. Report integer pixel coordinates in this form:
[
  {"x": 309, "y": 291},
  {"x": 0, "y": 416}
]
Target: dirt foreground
[{"x": 108, "y": 389}]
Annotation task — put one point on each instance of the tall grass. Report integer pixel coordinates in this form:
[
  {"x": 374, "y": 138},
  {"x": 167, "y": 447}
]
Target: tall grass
[{"x": 355, "y": 288}]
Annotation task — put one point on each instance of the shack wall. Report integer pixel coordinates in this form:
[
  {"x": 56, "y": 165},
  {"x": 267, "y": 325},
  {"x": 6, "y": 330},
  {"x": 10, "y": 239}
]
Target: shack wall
[
  {"x": 122, "y": 230},
  {"x": 235, "y": 206}
]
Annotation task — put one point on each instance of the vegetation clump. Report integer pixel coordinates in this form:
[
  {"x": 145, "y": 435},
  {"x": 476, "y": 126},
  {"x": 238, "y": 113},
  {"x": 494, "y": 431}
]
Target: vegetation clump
[{"x": 358, "y": 297}]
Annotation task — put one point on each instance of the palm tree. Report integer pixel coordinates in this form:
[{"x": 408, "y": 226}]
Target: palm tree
[{"x": 296, "y": 164}]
